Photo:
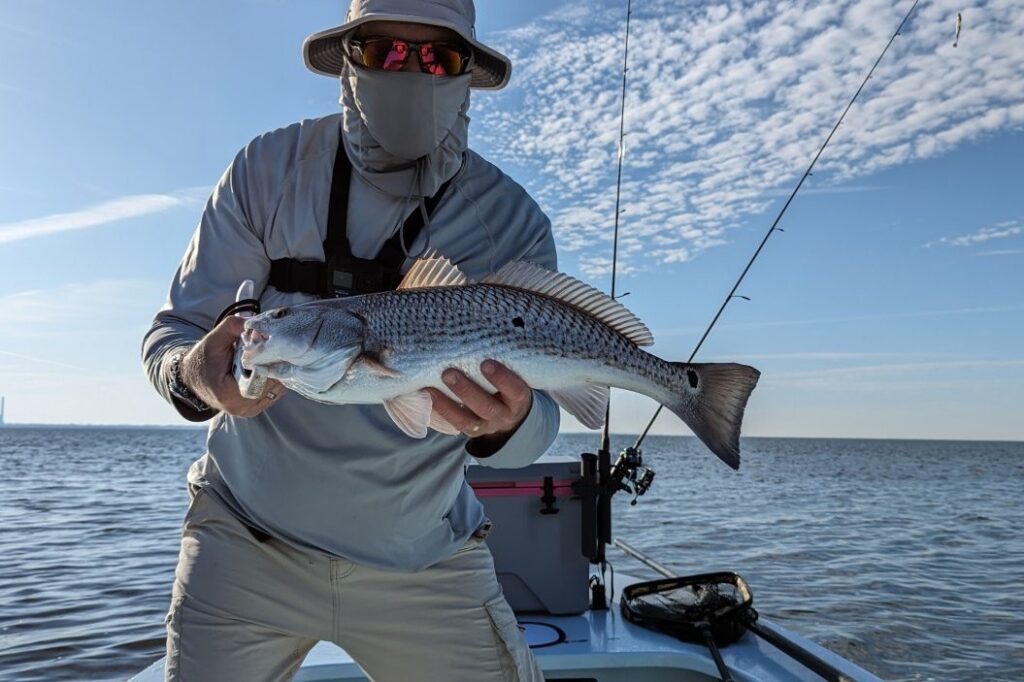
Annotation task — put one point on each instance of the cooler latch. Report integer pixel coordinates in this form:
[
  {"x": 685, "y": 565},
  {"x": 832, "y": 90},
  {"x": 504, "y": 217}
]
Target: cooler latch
[{"x": 548, "y": 498}]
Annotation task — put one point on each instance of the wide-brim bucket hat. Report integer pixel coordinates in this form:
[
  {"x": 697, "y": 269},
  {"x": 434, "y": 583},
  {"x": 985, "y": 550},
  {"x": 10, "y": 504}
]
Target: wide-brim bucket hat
[{"x": 324, "y": 52}]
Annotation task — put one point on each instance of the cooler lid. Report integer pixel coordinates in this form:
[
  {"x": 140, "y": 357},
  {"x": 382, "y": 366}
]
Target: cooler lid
[{"x": 558, "y": 467}]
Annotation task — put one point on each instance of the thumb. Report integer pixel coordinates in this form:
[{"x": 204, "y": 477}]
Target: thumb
[{"x": 228, "y": 331}]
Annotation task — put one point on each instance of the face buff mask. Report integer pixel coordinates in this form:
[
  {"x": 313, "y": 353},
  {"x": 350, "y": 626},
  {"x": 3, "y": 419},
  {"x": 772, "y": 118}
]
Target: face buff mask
[
  {"x": 405, "y": 133},
  {"x": 408, "y": 114}
]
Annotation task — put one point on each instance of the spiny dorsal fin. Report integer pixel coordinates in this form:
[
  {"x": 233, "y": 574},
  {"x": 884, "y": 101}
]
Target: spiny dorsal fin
[
  {"x": 571, "y": 291},
  {"x": 434, "y": 270}
]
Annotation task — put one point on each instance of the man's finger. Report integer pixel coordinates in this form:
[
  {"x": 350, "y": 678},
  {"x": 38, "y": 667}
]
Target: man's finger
[
  {"x": 452, "y": 412},
  {"x": 272, "y": 391},
  {"x": 479, "y": 401},
  {"x": 509, "y": 384},
  {"x": 230, "y": 327},
  {"x": 274, "y": 385},
  {"x": 245, "y": 407}
]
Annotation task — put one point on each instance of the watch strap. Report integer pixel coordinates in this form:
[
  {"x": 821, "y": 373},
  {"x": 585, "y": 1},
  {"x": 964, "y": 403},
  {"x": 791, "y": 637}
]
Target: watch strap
[{"x": 179, "y": 389}]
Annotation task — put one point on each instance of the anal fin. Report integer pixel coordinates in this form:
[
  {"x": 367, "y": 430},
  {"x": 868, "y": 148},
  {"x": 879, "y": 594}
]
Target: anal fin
[{"x": 587, "y": 403}]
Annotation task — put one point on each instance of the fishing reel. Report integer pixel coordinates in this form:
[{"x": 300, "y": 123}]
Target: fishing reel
[
  {"x": 630, "y": 475},
  {"x": 600, "y": 480}
]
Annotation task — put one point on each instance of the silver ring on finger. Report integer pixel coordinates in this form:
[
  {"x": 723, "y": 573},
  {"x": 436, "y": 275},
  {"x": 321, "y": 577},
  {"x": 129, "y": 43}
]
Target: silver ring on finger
[{"x": 270, "y": 395}]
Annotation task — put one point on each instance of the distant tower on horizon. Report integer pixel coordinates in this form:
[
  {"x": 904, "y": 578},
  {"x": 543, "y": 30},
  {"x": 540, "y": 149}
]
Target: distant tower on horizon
[{"x": 2, "y": 399}]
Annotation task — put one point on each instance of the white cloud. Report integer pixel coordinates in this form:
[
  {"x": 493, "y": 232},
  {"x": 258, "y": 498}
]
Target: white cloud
[
  {"x": 19, "y": 29},
  {"x": 70, "y": 309},
  {"x": 917, "y": 376},
  {"x": 1000, "y": 252},
  {"x": 1001, "y": 230},
  {"x": 104, "y": 213},
  {"x": 983, "y": 310},
  {"x": 727, "y": 104}
]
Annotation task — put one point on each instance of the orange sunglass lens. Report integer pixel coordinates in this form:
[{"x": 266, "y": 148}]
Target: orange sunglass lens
[
  {"x": 447, "y": 57},
  {"x": 391, "y": 55},
  {"x": 388, "y": 55}
]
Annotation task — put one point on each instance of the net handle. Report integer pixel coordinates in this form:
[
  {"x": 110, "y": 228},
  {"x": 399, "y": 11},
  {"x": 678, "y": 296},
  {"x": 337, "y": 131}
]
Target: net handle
[{"x": 705, "y": 632}]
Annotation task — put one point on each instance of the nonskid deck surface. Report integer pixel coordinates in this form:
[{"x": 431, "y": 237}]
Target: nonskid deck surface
[{"x": 601, "y": 646}]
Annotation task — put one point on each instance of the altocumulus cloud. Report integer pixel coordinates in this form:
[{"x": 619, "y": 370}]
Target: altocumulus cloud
[{"x": 727, "y": 103}]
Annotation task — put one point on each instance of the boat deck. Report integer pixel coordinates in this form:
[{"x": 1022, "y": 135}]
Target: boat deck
[{"x": 601, "y": 646}]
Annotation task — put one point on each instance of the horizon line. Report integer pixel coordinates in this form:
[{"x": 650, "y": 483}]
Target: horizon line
[{"x": 596, "y": 434}]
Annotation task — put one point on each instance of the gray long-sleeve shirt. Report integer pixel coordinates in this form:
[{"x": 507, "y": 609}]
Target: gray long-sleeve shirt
[{"x": 340, "y": 479}]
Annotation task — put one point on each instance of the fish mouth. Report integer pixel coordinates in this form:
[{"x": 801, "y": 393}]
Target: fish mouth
[
  {"x": 252, "y": 338},
  {"x": 257, "y": 344},
  {"x": 253, "y": 343}
]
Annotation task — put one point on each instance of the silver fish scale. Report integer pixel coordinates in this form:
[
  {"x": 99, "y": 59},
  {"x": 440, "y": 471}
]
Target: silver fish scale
[{"x": 492, "y": 320}]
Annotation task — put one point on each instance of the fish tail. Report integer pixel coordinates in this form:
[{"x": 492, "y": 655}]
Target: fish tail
[{"x": 710, "y": 399}]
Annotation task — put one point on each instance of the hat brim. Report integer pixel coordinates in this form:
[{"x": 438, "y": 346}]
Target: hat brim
[{"x": 324, "y": 52}]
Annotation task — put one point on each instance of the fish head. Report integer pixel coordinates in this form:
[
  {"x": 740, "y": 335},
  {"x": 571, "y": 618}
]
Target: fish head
[{"x": 300, "y": 334}]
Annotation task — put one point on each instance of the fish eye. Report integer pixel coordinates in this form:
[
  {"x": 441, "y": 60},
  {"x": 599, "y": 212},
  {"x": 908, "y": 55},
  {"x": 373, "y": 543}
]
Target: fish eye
[{"x": 279, "y": 313}]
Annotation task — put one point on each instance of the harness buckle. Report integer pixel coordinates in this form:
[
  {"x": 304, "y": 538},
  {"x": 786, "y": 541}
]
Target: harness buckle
[{"x": 351, "y": 276}]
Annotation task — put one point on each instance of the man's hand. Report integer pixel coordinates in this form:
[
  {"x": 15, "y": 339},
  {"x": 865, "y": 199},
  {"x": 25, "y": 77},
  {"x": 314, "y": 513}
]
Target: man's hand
[
  {"x": 490, "y": 420},
  {"x": 206, "y": 370}
]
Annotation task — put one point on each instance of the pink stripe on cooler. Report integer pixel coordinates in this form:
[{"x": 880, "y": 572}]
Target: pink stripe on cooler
[{"x": 521, "y": 489}]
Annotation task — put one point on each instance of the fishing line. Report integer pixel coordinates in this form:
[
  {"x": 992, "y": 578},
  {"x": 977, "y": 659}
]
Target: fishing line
[{"x": 774, "y": 227}]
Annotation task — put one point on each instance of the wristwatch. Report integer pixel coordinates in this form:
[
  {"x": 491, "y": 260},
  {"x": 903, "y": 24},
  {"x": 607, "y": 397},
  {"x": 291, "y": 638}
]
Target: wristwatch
[{"x": 178, "y": 388}]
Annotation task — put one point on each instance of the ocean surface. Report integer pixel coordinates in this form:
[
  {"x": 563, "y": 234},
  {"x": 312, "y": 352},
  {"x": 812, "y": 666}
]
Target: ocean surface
[{"x": 905, "y": 556}]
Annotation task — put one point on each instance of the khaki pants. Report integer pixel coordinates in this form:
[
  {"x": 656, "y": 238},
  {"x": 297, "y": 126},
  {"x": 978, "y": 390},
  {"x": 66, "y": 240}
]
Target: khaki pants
[{"x": 243, "y": 609}]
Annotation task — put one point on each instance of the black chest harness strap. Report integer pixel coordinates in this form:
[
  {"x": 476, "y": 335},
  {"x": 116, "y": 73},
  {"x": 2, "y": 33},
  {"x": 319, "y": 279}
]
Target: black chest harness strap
[{"x": 344, "y": 274}]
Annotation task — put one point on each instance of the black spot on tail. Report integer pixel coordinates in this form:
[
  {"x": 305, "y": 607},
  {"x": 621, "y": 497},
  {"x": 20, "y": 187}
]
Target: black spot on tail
[
  {"x": 518, "y": 322},
  {"x": 691, "y": 376}
]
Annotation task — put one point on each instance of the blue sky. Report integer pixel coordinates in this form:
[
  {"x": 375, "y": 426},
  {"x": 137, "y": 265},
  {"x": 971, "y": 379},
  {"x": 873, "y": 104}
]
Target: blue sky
[{"x": 892, "y": 305}]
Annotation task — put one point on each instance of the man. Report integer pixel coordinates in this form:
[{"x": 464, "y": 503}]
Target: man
[{"x": 315, "y": 522}]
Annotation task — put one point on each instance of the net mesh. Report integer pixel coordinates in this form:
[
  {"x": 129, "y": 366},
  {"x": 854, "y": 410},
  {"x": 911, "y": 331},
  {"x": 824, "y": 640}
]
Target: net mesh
[
  {"x": 692, "y": 607},
  {"x": 693, "y": 603}
]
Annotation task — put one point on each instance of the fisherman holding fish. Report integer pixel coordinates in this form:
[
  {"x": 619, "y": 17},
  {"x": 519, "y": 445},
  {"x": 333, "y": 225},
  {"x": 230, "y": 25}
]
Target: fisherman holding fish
[
  {"x": 413, "y": 309},
  {"x": 312, "y": 521}
]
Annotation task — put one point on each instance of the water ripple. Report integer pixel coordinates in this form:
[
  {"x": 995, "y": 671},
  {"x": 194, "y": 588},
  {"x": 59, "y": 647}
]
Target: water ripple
[{"x": 905, "y": 557}]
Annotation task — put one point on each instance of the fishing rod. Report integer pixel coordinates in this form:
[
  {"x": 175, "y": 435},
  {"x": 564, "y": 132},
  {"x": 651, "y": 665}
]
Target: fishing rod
[
  {"x": 600, "y": 481},
  {"x": 775, "y": 224},
  {"x": 605, "y": 436}
]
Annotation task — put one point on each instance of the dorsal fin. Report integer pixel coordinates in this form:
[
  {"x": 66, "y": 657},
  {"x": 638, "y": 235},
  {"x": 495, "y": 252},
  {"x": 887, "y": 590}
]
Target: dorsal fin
[
  {"x": 571, "y": 291},
  {"x": 433, "y": 270}
]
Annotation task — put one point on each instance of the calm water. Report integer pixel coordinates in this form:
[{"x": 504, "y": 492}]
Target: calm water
[{"x": 906, "y": 557}]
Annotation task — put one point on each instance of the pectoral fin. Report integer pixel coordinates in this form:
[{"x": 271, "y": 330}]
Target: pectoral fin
[
  {"x": 411, "y": 412},
  {"x": 375, "y": 364},
  {"x": 324, "y": 372}
]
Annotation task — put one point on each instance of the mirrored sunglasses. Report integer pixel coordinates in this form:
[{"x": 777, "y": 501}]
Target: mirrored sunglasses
[{"x": 391, "y": 54}]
